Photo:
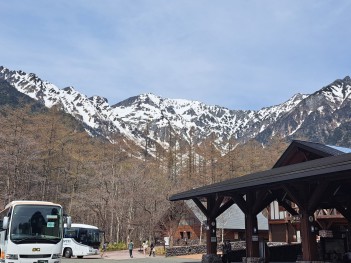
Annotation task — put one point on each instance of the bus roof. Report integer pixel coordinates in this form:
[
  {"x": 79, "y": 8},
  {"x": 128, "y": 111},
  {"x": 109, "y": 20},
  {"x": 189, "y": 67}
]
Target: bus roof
[
  {"x": 82, "y": 226},
  {"x": 30, "y": 202}
]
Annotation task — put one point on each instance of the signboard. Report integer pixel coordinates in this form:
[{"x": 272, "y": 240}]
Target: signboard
[
  {"x": 254, "y": 238},
  {"x": 166, "y": 239},
  {"x": 213, "y": 239}
]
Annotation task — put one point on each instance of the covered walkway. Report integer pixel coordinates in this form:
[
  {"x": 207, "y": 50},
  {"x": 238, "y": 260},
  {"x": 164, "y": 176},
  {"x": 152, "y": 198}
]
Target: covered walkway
[{"x": 312, "y": 176}]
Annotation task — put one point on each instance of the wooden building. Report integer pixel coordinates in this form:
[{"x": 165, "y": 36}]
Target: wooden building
[
  {"x": 230, "y": 225},
  {"x": 285, "y": 227},
  {"x": 312, "y": 179}
]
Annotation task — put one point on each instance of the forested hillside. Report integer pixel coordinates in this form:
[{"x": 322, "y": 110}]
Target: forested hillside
[{"x": 47, "y": 155}]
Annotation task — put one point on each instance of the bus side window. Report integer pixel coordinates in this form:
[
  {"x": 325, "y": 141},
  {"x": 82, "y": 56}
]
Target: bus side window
[
  {"x": 70, "y": 233},
  {"x": 83, "y": 235}
]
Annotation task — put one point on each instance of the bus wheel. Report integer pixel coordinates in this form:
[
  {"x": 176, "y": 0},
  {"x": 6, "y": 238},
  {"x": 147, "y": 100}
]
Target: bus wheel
[
  {"x": 68, "y": 253},
  {"x": 79, "y": 256}
]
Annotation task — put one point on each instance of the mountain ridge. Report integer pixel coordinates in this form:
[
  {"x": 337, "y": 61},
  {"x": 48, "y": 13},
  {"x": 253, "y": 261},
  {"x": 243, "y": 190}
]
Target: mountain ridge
[{"x": 156, "y": 118}]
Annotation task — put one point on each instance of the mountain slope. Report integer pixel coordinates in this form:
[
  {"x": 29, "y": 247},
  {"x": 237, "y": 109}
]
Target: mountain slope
[
  {"x": 317, "y": 116},
  {"x": 149, "y": 116},
  {"x": 9, "y": 96}
]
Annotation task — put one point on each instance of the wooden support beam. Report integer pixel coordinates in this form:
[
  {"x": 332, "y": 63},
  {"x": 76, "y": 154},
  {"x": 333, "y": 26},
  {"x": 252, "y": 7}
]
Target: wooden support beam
[
  {"x": 293, "y": 195},
  {"x": 225, "y": 206},
  {"x": 240, "y": 201},
  {"x": 288, "y": 207},
  {"x": 342, "y": 210},
  {"x": 317, "y": 195},
  {"x": 262, "y": 201},
  {"x": 217, "y": 204},
  {"x": 200, "y": 205},
  {"x": 213, "y": 210}
]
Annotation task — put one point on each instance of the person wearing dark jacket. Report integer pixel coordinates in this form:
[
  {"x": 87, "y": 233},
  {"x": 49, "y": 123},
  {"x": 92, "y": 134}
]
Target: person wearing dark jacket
[
  {"x": 152, "y": 249},
  {"x": 130, "y": 248},
  {"x": 226, "y": 248}
]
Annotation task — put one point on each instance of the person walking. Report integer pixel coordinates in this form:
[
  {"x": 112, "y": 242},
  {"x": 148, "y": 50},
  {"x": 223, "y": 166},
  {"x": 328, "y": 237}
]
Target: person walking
[
  {"x": 130, "y": 248},
  {"x": 152, "y": 250},
  {"x": 145, "y": 247},
  {"x": 104, "y": 248}
]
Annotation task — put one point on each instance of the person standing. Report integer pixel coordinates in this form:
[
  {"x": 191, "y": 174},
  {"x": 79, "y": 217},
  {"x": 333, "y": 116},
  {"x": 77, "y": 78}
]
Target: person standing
[
  {"x": 152, "y": 250},
  {"x": 145, "y": 247},
  {"x": 130, "y": 248},
  {"x": 226, "y": 248}
]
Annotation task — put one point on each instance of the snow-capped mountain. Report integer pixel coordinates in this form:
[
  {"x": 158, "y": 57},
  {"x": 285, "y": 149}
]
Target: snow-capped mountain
[
  {"x": 194, "y": 120},
  {"x": 318, "y": 117},
  {"x": 155, "y": 118}
]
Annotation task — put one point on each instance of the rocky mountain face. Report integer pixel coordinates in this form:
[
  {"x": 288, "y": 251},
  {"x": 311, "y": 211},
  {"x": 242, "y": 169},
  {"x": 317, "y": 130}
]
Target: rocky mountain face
[{"x": 323, "y": 116}]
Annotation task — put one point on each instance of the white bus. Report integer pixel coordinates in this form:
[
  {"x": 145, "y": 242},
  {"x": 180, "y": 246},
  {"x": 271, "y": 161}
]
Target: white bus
[
  {"x": 81, "y": 240},
  {"x": 31, "y": 232}
]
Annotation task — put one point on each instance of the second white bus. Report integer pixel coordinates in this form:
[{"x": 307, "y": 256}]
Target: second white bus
[{"x": 81, "y": 240}]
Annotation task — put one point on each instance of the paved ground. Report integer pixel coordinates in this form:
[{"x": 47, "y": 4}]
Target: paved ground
[{"x": 123, "y": 257}]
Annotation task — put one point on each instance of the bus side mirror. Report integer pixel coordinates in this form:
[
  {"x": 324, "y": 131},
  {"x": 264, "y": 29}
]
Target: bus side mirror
[
  {"x": 5, "y": 222},
  {"x": 68, "y": 221}
]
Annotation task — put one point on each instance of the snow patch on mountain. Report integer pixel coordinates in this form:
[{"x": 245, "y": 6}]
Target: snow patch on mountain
[{"x": 154, "y": 117}]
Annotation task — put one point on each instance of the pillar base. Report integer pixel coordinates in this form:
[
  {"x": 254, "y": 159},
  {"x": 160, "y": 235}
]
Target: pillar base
[
  {"x": 211, "y": 258},
  {"x": 253, "y": 260}
]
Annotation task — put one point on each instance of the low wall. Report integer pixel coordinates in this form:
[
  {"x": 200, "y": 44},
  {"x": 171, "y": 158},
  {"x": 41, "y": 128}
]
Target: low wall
[
  {"x": 199, "y": 249},
  {"x": 238, "y": 246},
  {"x": 185, "y": 250}
]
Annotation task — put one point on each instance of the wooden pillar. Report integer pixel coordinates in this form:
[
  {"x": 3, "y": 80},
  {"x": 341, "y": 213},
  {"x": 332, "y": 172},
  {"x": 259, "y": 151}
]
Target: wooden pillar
[
  {"x": 308, "y": 197},
  {"x": 251, "y": 228},
  {"x": 270, "y": 237},
  {"x": 308, "y": 236},
  {"x": 211, "y": 244}
]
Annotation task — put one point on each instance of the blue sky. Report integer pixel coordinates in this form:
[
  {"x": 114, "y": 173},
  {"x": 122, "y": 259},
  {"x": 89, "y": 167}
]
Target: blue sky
[{"x": 245, "y": 54}]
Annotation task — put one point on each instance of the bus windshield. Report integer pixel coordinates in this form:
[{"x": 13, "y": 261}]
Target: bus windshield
[
  {"x": 86, "y": 236},
  {"x": 36, "y": 224}
]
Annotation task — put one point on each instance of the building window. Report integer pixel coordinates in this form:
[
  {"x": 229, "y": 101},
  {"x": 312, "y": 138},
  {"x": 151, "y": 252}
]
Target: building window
[{"x": 185, "y": 235}]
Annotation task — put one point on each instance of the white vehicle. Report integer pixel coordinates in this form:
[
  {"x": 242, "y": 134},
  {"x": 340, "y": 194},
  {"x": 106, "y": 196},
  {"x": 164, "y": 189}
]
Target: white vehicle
[
  {"x": 81, "y": 240},
  {"x": 31, "y": 232}
]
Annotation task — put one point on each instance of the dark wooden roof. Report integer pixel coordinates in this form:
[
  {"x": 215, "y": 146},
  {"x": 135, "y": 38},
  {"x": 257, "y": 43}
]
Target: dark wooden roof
[
  {"x": 302, "y": 151},
  {"x": 327, "y": 168}
]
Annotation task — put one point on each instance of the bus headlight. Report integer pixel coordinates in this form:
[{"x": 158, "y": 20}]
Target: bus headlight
[
  {"x": 12, "y": 256},
  {"x": 55, "y": 256}
]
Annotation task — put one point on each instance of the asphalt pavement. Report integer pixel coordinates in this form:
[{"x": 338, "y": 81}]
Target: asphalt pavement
[{"x": 138, "y": 257}]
